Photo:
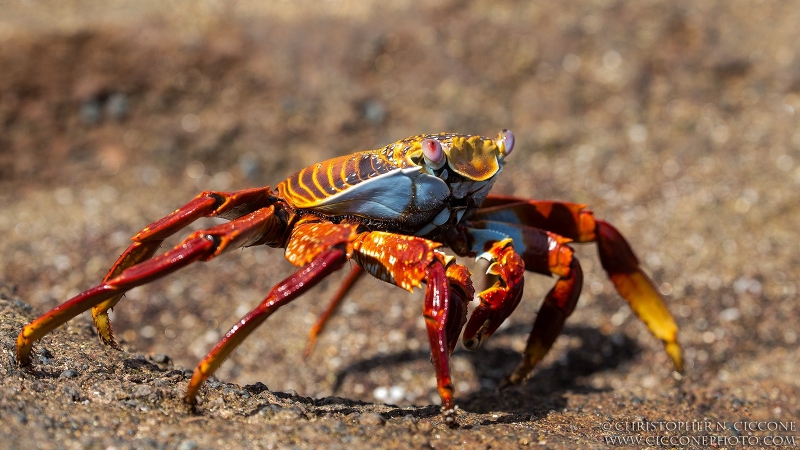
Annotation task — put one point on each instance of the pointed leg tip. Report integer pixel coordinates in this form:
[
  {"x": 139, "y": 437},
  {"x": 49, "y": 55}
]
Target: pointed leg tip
[
  {"x": 103, "y": 328},
  {"x": 22, "y": 361},
  {"x": 512, "y": 380},
  {"x": 190, "y": 401},
  {"x": 111, "y": 343},
  {"x": 674, "y": 351},
  {"x": 23, "y": 355},
  {"x": 312, "y": 343}
]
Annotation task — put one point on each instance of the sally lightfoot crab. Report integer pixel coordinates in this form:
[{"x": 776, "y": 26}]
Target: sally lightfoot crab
[{"x": 392, "y": 211}]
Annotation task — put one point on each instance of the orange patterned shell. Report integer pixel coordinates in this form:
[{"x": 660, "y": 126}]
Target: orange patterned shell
[
  {"x": 313, "y": 185},
  {"x": 475, "y": 158}
]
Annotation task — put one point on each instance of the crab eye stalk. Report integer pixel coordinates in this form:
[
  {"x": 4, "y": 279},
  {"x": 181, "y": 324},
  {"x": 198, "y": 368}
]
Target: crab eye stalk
[
  {"x": 433, "y": 153},
  {"x": 506, "y": 140}
]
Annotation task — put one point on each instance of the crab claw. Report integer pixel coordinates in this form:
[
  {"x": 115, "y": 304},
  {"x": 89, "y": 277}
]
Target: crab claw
[{"x": 500, "y": 300}]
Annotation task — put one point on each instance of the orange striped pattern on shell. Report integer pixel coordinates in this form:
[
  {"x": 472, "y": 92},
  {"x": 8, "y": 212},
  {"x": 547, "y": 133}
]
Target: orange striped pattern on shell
[{"x": 314, "y": 184}]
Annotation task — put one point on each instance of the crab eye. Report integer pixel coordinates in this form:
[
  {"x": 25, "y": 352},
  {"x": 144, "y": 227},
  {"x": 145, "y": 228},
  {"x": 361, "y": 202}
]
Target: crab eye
[
  {"x": 434, "y": 155},
  {"x": 507, "y": 137}
]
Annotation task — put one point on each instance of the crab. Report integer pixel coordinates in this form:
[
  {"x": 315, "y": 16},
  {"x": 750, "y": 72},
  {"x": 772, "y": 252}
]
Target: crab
[{"x": 392, "y": 211}]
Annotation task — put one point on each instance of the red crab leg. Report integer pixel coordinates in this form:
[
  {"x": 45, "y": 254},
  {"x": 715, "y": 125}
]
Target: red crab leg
[
  {"x": 407, "y": 261},
  {"x": 435, "y": 311},
  {"x": 461, "y": 287},
  {"x": 637, "y": 288},
  {"x": 136, "y": 253},
  {"x": 573, "y": 221},
  {"x": 207, "y": 204},
  {"x": 284, "y": 292},
  {"x": 557, "y": 306},
  {"x": 445, "y": 312},
  {"x": 315, "y": 331},
  {"x": 252, "y": 229}
]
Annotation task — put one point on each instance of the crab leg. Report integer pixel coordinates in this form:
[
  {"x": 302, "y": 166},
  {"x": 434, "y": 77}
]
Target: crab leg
[
  {"x": 229, "y": 205},
  {"x": 637, "y": 288},
  {"x": 511, "y": 249},
  {"x": 315, "y": 331},
  {"x": 284, "y": 292},
  {"x": 445, "y": 312},
  {"x": 435, "y": 311},
  {"x": 407, "y": 261},
  {"x": 461, "y": 286},
  {"x": 557, "y": 306},
  {"x": 402, "y": 260},
  {"x": 203, "y": 245},
  {"x": 539, "y": 251},
  {"x": 573, "y": 221}
]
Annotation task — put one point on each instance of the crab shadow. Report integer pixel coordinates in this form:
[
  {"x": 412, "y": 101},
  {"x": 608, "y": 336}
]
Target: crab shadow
[{"x": 543, "y": 392}]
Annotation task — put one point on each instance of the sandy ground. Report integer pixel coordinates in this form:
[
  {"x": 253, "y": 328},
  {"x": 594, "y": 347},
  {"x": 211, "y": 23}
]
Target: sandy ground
[{"x": 675, "y": 121}]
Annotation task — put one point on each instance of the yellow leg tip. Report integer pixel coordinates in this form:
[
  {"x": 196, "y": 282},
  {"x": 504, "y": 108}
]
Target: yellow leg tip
[
  {"x": 674, "y": 352},
  {"x": 535, "y": 352}
]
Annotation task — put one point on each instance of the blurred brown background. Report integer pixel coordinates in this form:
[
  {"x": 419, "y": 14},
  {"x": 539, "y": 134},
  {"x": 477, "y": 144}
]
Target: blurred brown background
[{"x": 674, "y": 120}]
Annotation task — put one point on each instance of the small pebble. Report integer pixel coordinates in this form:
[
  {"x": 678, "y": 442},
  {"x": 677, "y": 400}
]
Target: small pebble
[
  {"x": 90, "y": 112},
  {"x": 143, "y": 391},
  {"x": 117, "y": 105},
  {"x": 69, "y": 373},
  {"x": 257, "y": 387},
  {"x": 289, "y": 414},
  {"x": 187, "y": 445},
  {"x": 22, "y": 305},
  {"x": 374, "y": 112},
  {"x": 72, "y": 393},
  {"x": 269, "y": 410},
  {"x": 161, "y": 359}
]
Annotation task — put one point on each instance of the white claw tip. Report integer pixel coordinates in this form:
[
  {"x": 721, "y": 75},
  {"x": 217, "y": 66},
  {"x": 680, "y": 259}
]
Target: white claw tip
[{"x": 485, "y": 255}]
